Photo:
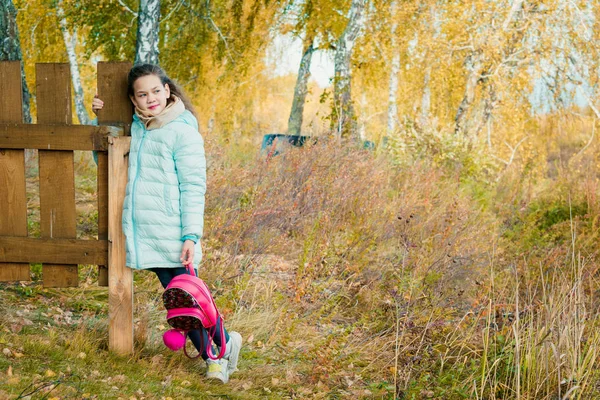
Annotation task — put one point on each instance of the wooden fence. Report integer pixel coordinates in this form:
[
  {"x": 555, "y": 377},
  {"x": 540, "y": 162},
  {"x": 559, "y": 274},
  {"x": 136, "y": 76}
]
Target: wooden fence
[{"x": 56, "y": 138}]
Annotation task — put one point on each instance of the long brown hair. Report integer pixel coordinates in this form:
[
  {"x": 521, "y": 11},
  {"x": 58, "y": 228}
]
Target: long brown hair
[{"x": 141, "y": 70}]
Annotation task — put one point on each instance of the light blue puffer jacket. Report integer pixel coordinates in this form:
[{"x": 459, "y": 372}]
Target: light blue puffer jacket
[{"x": 164, "y": 200}]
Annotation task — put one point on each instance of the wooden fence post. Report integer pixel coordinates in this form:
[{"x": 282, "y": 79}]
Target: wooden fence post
[
  {"x": 120, "y": 287},
  {"x": 112, "y": 89},
  {"x": 112, "y": 179},
  {"x": 13, "y": 198}
]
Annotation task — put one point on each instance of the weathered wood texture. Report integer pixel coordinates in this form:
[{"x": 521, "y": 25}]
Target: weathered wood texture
[
  {"x": 13, "y": 198},
  {"x": 56, "y": 251},
  {"x": 56, "y": 137},
  {"x": 112, "y": 89},
  {"x": 57, "y": 176},
  {"x": 120, "y": 290}
]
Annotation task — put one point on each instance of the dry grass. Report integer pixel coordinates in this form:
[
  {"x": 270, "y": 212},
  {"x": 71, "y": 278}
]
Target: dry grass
[{"x": 349, "y": 277}]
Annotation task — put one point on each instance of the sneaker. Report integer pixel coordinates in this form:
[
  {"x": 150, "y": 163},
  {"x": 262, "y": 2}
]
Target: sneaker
[
  {"x": 232, "y": 351},
  {"x": 217, "y": 369}
]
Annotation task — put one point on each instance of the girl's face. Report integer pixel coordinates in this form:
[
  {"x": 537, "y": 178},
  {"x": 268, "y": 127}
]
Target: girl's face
[{"x": 150, "y": 95}]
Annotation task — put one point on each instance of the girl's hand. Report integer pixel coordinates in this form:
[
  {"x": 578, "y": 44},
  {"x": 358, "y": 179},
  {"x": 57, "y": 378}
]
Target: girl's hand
[
  {"x": 97, "y": 104},
  {"x": 187, "y": 253}
]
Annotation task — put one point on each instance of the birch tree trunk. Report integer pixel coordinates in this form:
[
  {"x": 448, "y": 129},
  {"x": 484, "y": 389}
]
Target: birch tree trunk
[
  {"x": 70, "y": 43},
  {"x": 10, "y": 48},
  {"x": 426, "y": 98},
  {"x": 146, "y": 48},
  {"x": 301, "y": 89},
  {"x": 488, "y": 108},
  {"x": 473, "y": 63},
  {"x": 424, "y": 118},
  {"x": 344, "y": 119},
  {"x": 475, "y": 66},
  {"x": 392, "y": 114}
]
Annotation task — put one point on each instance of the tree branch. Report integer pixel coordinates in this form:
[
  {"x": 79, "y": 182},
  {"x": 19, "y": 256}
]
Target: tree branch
[
  {"x": 125, "y": 6},
  {"x": 177, "y": 7},
  {"x": 208, "y": 17}
]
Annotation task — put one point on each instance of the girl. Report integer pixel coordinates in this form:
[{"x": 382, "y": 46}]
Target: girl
[{"x": 163, "y": 212}]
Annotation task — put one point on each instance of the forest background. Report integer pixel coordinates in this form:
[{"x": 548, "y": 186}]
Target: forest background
[{"x": 453, "y": 256}]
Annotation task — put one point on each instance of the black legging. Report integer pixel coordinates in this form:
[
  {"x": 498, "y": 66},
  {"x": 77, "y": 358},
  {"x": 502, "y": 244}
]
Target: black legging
[{"x": 165, "y": 275}]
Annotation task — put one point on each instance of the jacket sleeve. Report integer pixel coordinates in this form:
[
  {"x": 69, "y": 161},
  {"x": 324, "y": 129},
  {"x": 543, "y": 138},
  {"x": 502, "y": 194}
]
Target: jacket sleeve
[{"x": 190, "y": 165}]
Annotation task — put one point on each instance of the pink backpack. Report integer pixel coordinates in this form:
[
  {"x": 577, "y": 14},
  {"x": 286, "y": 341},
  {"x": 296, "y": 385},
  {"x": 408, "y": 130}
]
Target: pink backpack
[{"x": 190, "y": 306}]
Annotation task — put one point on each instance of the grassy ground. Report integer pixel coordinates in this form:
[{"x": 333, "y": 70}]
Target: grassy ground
[{"x": 348, "y": 277}]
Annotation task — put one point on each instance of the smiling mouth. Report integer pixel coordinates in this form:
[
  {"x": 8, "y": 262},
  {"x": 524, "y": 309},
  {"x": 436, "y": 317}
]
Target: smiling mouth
[{"x": 153, "y": 107}]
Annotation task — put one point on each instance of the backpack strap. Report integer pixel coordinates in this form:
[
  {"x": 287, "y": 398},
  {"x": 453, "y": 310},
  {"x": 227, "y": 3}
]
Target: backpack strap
[
  {"x": 190, "y": 268},
  {"x": 209, "y": 348},
  {"x": 185, "y": 350},
  {"x": 211, "y": 334}
]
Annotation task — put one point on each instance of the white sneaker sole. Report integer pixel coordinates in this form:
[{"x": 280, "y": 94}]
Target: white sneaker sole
[
  {"x": 235, "y": 340},
  {"x": 222, "y": 375}
]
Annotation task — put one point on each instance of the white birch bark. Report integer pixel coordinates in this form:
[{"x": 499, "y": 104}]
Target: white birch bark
[
  {"x": 70, "y": 43},
  {"x": 301, "y": 89},
  {"x": 392, "y": 114},
  {"x": 516, "y": 7},
  {"x": 474, "y": 67},
  {"x": 146, "y": 48},
  {"x": 426, "y": 98},
  {"x": 10, "y": 48},
  {"x": 343, "y": 110}
]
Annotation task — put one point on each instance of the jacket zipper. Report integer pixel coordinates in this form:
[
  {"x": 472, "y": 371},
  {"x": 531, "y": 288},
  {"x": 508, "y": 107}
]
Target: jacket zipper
[{"x": 137, "y": 258}]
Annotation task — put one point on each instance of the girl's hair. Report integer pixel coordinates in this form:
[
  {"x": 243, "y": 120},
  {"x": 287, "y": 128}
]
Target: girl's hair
[{"x": 141, "y": 70}]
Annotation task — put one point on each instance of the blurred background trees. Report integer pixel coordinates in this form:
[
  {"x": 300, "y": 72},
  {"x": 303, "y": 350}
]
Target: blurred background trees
[{"x": 479, "y": 72}]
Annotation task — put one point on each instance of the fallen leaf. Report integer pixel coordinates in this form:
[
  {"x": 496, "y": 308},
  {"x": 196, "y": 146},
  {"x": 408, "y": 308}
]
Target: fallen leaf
[
  {"x": 18, "y": 355},
  {"x": 250, "y": 339},
  {"x": 49, "y": 373},
  {"x": 9, "y": 372},
  {"x": 291, "y": 376},
  {"x": 186, "y": 383},
  {"x": 167, "y": 381},
  {"x": 14, "y": 380},
  {"x": 246, "y": 385},
  {"x": 7, "y": 352},
  {"x": 81, "y": 355},
  {"x": 274, "y": 381},
  {"x": 157, "y": 359}
]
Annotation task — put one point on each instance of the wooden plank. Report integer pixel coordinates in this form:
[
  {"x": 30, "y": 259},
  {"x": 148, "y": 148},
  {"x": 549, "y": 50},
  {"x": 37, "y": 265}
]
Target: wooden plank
[
  {"x": 102, "y": 193},
  {"x": 120, "y": 288},
  {"x": 13, "y": 197},
  {"x": 57, "y": 175},
  {"x": 55, "y": 251},
  {"x": 56, "y": 137},
  {"x": 112, "y": 89}
]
